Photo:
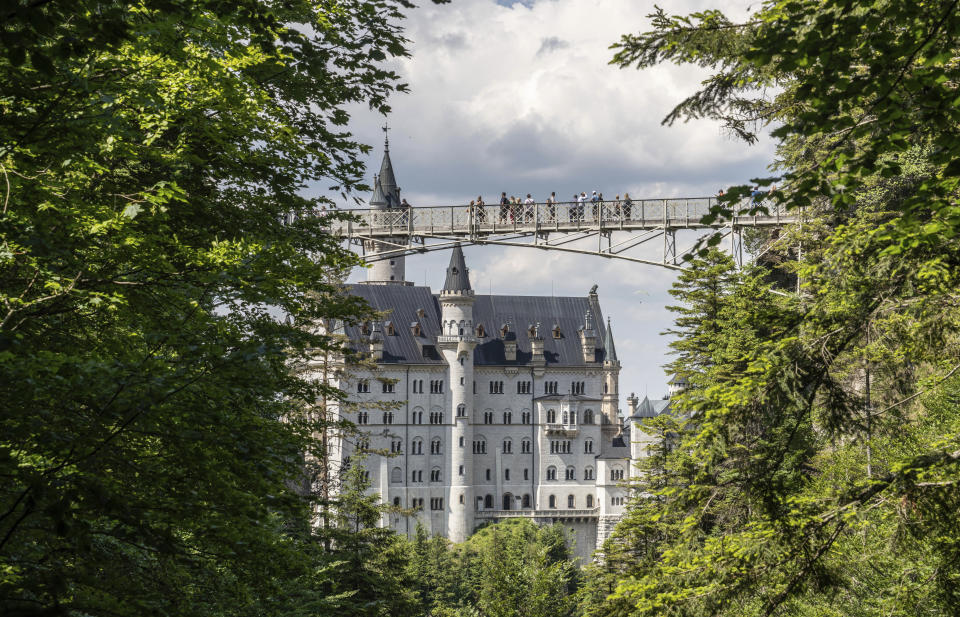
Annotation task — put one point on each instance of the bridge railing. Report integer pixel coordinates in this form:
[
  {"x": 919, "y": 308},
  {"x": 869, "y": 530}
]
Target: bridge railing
[{"x": 566, "y": 216}]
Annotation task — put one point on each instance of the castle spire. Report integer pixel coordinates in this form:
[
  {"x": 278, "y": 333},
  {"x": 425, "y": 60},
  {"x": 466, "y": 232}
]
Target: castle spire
[
  {"x": 388, "y": 181},
  {"x": 457, "y": 278},
  {"x": 611, "y": 351}
]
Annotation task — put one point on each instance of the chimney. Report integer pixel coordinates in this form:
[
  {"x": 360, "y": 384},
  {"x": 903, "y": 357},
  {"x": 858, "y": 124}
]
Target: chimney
[
  {"x": 588, "y": 339},
  {"x": 509, "y": 343},
  {"x": 376, "y": 342},
  {"x": 536, "y": 345},
  {"x": 632, "y": 402}
]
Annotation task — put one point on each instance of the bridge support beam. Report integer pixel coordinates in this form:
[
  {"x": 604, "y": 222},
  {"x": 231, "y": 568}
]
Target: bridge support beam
[{"x": 670, "y": 246}]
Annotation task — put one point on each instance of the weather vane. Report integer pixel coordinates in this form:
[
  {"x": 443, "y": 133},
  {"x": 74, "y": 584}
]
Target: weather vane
[{"x": 386, "y": 136}]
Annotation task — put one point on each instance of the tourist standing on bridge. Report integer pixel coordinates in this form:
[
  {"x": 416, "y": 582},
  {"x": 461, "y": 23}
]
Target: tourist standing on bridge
[
  {"x": 481, "y": 210},
  {"x": 528, "y": 206},
  {"x": 504, "y": 207},
  {"x": 405, "y": 216},
  {"x": 581, "y": 205},
  {"x": 552, "y": 206},
  {"x": 627, "y": 206},
  {"x": 595, "y": 201}
]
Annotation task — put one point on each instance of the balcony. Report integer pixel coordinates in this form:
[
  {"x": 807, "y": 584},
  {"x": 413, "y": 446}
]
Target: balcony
[
  {"x": 558, "y": 513},
  {"x": 563, "y": 430}
]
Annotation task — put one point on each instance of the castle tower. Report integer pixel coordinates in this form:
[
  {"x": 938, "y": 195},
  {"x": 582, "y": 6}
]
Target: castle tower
[
  {"x": 457, "y": 342},
  {"x": 611, "y": 381},
  {"x": 386, "y": 198}
]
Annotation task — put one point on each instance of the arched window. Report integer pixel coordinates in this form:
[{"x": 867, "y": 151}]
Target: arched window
[
  {"x": 571, "y": 473},
  {"x": 507, "y": 417},
  {"x": 396, "y": 476},
  {"x": 507, "y": 501},
  {"x": 551, "y": 416},
  {"x": 588, "y": 416},
  {"x": 480, "y": 331},
  {"x": 435, "y": 446},
  {"x": 589, "y": 501},
  {"x": 525, "y": 446},
  {"x": 396, "y": 501},
  {"x": 417, "y": 447},
  {"x": 556, "y": 331},
  {"x": 616, "y": 473},
  {"x": 566, "y": 417},
  {"x": 461, "y": 497},
  {"x": 588, "y": 446},
  {"x": 606, "y": 388},
  {"x": 571, "y": 502},
  {"x": 435, "y": 474},
  {"x": 461, "y": 410},
  {"x": 507, "y": 446},
  {"x": 588, "y": 473},
  {"x": 552, "y": 501},
  {"x": 488, "y": 502},
  {"x": 551, "y": 473},
  {"x": 526, "y": 501}
]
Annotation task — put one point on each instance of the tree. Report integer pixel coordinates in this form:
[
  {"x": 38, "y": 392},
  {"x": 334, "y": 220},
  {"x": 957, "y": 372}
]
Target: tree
[
  {"x": 154, "y": 160},
  {"x": 806, "y": 454}
]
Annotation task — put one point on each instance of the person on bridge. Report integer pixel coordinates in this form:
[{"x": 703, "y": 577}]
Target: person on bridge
[
  {"x": 504, "y": 207},
  {"x": 595, "y": 202},
  {"x": 481, "y": 210},
  {"x": 552, "y": 206},
  {"x": 405, "y": 217},
  {"x": 581, "y": 205},
  {"x": 627, "y": 206},
  {"x": 528, "y": 205}
]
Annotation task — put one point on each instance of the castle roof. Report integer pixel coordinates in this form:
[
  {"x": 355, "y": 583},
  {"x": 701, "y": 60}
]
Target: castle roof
[
  {"x": 651, "y": 409},
  {"x": 457, "y": 275},
  {"x": 387, "y": 181},
  {"x": 608, "y": 344},
  {"x": 490, "y": 311}
]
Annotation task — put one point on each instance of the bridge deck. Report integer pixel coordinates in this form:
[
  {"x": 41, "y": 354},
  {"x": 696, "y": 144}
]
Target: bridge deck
[{"x": 564, "y": 217}]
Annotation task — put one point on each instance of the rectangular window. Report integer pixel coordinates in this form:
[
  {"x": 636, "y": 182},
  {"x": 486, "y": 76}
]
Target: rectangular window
[{"x": 526, "y": 474}]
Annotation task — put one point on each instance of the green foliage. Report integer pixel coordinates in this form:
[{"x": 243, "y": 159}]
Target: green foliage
[
  {"x": 811, "y": 467},
  {"x": 156, "y": 414}
]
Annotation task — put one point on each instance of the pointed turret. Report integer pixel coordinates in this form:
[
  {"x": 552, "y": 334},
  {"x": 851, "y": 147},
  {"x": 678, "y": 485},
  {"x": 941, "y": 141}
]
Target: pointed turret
[
  {"x": 388, "y": 182},
  {"x": 609, "y": 349},
  {"x": 377, "y": 200},
  {"x": 458, "y": 280}
]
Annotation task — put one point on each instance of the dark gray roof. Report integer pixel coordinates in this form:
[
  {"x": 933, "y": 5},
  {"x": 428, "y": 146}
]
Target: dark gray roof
[
  {"x": 651, "y": 409},
  {"x": 608, "y": 343},
  {"x": 457, "y": 275},
  {"x": 491, "y": 312},
  {"x": 388, "y": 182},
  {"x": 566, "y": 397},
  {"x": 403, "y": 302}
]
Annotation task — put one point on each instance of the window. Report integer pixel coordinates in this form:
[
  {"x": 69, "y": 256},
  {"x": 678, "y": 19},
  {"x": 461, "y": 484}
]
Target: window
[
  {"x": 523, "y": 387},
  {"x": 559, "y": 447},
  {"x": 416, "y": 417},
  {"x": 588, "y": 446},
  {"x": 417, "y": 446},
  {"x": 525, "y": 446},
  {"x": 396, "y": 476},
  {"x": 549, "y": 387},
  {"x": 460, "y": 472},
  {"x": 363, "y": 444},
  {"x": 480, "y": 331},
  {"x": 436, "y": 417},
  {"x": 396, "y": 501},
  {"x": 363, "y": 417},
  {"x": 461, "y": 441},
  {"x": 577, "y": 387},
  {"x": 571, "y": 501},
  {"x": 588, "y": 416},
  {"x": 363, "y": 386},
  {"x": 556, "y": 332},
  {"x": 389, "y": 387},
  {"x": 416, "y": 476},
  {"x": 507, "y": 446},
  {"x": 365, "y": 475},
  {"x": 589, "y": 501},
  {"x": 552, "y": 501},
  {"x": 616, "y": 501},
  {"x": 435, "y": 446},
  {"x": 488, "y": 475},
  {"x": 417, "y": 504},
  {"x": 525, "y": 417},
  {"x": 435, "y": 474},
  {"x": 416, "y": 329},
  {"x": 461, "y": 497},
  {"x": 507, "y": 417},
  {"x": 526, "y": 501},
  {"x": 570, "y": 474},
  {"x": 616, "y": 474},
  {"x": 488, "y": 417},
  {"x": 588, "y": 473},
  {"x": 551, "y": 473},
  {"x": 396, "y": 446},
  {"x": 388, "y": 417},
  {"x": 488, "y": 502},
  {"x": 606, "y": 388},
  {"x": 436, "y": 503},
  {"x": 480, "y": 446},
  {"x": 496, "y": 387},
  {"x": 551, "y": 416},
  {"x": 526, "y": 474},
  {"x": 436, "y": 386},
  {"x": 506, "y": 474},
  {"x": 461, "y": 410}
]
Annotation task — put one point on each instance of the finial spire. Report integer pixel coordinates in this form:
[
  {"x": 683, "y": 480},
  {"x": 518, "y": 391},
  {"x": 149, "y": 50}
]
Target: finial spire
[{"x": 386, "y": 136}]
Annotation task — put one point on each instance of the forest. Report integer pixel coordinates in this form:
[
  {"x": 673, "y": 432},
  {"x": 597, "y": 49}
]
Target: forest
[{"x": 162, "y": 446}]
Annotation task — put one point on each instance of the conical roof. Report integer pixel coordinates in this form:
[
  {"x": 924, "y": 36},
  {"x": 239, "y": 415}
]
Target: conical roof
[
  {"x": 608, "y": 347},
  {"x": 646, "y": 410},
  {"x": 377, "y": 199},
  {"x": 388, "y": 182},
  {"x": 457, "y": 274}
]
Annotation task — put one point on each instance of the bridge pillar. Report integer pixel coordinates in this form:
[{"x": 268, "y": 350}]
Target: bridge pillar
[{"x": 670, "y": 246}]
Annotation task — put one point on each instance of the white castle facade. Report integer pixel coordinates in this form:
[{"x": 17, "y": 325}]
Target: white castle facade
[{"x": 503, "y": 406}]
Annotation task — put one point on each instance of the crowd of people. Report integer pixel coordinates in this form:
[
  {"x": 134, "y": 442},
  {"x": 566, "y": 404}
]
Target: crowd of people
[{"x": 523, "y": 210}]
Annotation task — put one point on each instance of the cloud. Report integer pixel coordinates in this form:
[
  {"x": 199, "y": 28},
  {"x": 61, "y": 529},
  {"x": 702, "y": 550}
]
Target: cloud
[{"x": 551, "y": 43}]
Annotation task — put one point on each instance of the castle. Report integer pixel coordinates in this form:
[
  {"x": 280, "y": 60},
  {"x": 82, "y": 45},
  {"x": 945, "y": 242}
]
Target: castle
[{"x": 506, "y": 406}]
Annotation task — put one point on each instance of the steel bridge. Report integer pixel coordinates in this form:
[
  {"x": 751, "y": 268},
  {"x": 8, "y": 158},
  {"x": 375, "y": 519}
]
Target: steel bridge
[{"x": 389, "y": 233}]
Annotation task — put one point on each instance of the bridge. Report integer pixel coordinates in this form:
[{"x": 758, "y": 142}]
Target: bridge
[{"x": 391, "y": 232}]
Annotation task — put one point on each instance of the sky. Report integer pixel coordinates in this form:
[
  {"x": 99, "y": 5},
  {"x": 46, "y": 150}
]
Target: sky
[{"x": 519, "y": 97}]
